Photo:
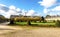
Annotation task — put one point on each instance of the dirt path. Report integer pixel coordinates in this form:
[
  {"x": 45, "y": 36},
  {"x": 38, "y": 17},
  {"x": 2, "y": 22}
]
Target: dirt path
[
  {"x": 41, "y": 32},
  {"x": 10, "y": 31},
  {"x": 5, "y": 23}
]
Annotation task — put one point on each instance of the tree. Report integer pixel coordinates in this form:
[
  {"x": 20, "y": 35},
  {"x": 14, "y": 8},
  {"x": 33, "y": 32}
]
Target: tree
[
  {"x": 12, "y": 21},
  {"x": 42, "y": 19},
  {"x": 28, "y": 19},
  {"x": 2, "y": 18},
  {"x": 16, "y": 19},
  {"x": 28, "y": 22}
]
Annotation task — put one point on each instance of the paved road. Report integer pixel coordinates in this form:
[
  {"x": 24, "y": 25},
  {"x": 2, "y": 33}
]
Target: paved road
[{"x": 41, "y": 32}]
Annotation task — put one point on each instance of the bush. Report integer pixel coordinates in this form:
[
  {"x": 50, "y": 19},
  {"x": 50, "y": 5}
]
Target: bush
[{"x": 58, "y": 23}]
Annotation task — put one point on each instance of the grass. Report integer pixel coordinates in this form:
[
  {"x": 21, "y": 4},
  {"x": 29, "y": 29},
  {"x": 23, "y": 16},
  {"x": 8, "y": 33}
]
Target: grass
[
  {"x": 43, "y": 23},
  {"x": 37, "y": 24},
  {"x": 21, "y": 23}
]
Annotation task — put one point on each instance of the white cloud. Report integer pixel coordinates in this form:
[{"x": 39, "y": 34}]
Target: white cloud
[
  {"x": 54, "y": 11},
  {"x": 30, "y": 12},
  {"x": 9, "y": 13},
  {"x": 12, "y": 10},
  {"x": 18, "y": 9},
  {"x": 47, "y": 3},
  {"x": 23, "y": 12},
  {"x": 2, "y": 11},
  {"x": 57, "y": 8},
  {"x": 2, "y": 5},
  {"x": 45, "y": 10},
  {"x": 12, "y": 7}
]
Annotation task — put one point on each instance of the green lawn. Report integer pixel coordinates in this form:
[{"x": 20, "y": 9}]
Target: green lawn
[
  {"x": 36, "y": 24},
  {"x": 43, "y": 23},
  {"x": 21, "y": 22}
]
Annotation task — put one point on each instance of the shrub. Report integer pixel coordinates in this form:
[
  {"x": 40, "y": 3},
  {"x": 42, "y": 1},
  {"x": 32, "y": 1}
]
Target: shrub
[{"x": 58, "y": 23}]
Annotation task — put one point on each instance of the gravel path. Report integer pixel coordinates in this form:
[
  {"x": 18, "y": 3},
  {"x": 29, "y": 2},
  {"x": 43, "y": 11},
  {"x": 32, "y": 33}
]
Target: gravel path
[
  {"x": 5, "y": 23},
  {"x": 41, "y": 32}
]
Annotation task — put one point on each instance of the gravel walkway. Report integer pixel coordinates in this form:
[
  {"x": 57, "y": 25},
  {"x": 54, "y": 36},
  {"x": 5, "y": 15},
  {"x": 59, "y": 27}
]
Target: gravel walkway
[{"x": 41, "y": 32}]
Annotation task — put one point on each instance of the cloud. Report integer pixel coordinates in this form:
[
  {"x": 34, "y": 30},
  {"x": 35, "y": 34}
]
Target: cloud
[
  {"x": 18, "y": 9},
  {"x": 30, "y": 12},
  {"x": 54, "y": 11},
  {"x": 27, "y": 13},
  {"x": 22, "y": 12},
  {"x": 45, "y": 10},
  {"x": 57, "y": 8},
  {"x": 47, "y": 3},
  {"x": 7, "y": 11},
  {"x": 2, "y": 5},
  {"x": 12, "y": 10},
  {"x": 12, "y": 7}
]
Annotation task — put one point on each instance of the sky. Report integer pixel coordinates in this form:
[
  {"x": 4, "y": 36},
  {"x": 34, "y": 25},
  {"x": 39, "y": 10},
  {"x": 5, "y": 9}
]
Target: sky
[{"x": 29, "y": 7}]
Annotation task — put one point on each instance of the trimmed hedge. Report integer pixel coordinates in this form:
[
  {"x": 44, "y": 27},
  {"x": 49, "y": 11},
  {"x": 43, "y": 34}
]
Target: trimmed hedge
[{"x": 58, "y": 23}]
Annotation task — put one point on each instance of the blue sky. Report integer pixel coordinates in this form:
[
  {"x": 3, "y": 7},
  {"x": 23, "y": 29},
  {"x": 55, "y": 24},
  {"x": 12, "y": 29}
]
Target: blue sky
[
  {"x": 23, "y": 4},
  {"x": 32, "y": 7}
]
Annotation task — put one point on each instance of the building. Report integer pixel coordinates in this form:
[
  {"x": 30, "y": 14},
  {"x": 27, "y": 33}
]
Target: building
[
  {"x": 13, "y": 16},
  {"x": 52, "y": 18}
]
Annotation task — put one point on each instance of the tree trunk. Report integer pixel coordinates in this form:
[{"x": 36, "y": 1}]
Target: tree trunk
[
  {"x": 28, "y": 22},
  {"x": 11, "y": 21}
]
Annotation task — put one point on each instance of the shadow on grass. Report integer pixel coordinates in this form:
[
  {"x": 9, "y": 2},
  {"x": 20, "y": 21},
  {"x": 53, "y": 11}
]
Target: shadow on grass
[{"x": 17, "y": 24}]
